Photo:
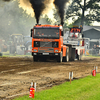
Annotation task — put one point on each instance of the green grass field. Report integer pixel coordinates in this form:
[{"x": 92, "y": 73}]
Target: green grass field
[{"x": 87, "y": 88}]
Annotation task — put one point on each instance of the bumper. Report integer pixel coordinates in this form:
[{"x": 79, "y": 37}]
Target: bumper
[{"x": 45, "y": 54}]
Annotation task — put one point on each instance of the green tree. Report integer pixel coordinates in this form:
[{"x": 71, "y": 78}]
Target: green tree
[{"x": 86, "y": 11}]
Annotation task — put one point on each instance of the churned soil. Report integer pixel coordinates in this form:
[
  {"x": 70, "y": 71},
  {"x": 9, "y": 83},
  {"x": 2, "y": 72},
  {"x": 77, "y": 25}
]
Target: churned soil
[{"x": 17, "y": 73}]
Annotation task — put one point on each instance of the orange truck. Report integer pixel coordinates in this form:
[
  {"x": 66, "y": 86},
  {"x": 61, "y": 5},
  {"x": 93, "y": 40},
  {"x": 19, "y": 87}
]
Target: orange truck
[{"x": 48, "y": 42}]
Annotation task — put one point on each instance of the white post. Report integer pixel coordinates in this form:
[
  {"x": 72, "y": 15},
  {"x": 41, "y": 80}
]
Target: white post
[
  {"x": 35, "y": 85},
  {"x": 96, "y": 69},
  {"x": 70, "y": 76},
  {"x": 31, "y": 84}
]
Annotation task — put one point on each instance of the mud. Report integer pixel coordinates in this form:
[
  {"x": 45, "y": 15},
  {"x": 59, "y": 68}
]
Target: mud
[{"x": 16, "y": 74}]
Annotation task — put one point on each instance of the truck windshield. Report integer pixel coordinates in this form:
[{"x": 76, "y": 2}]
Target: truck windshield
[{"x": 52, "y": 33}]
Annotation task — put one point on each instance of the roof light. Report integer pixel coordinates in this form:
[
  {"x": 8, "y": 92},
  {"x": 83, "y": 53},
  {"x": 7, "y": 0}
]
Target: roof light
[{"x": 61, "y": 28}]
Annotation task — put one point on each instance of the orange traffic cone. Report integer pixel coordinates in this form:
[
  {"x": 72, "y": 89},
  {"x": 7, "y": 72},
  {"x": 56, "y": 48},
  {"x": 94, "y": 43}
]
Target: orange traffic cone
[
  {"x": 94, "y": 72},
  {"x": 32, "y": 91}
]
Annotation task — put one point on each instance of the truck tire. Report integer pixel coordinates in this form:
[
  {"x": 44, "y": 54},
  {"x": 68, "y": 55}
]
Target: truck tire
[
  {"x": 35, "y": 58},
  {"x": 66, "y": 58},
  {"x": 73, "y": 54},
  {"x": 59, "y": 59},
  {"x": 70, "y": 53}
]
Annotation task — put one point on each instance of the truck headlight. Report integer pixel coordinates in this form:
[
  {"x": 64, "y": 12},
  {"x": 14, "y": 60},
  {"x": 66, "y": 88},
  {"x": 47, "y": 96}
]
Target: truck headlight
[
  {"x": 56, "y": 50},
  {"x": 35, "y": 50},
  {"x": 54, "y": 44},
  {"x": 36, "y": 44}
]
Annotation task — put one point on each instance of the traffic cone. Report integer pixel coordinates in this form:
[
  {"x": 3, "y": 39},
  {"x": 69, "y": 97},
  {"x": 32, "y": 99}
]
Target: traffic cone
[
  {"x": 94, "y": 72},
  {"x": 32, "y": 91}
]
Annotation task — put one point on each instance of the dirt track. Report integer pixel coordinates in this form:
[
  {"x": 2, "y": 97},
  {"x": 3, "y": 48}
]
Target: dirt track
[{"x": 16, "y": 74}]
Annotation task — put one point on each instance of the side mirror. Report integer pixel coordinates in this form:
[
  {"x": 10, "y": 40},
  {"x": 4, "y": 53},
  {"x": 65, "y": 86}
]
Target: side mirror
[
  {"x": 62, "y": 33},
  {"x": 31, "y": 32}
]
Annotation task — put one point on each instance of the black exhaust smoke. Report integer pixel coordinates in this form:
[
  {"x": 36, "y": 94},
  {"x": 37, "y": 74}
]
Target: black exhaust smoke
[
  {"x": 60, "y": 5},
  {"x": 38, "y": 6}
]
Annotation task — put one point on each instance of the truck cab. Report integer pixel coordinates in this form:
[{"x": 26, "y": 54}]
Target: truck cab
[{"x": 47, "y": 41}]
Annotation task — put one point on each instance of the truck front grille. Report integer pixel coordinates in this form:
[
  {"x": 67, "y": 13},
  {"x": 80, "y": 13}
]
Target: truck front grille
[
  {"x": 46, "y": 50},
  {"x": 45, "y": 44}
]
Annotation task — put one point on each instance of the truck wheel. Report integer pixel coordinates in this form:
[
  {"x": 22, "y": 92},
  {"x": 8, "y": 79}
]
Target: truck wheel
[
  {"x": 73, "y": 54},
  {"x": 70, "y": 53},
  {"x": 66, "y": 59},
  {"x": 60, "y": 57},
  {"x": 35, "y": 58}
]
